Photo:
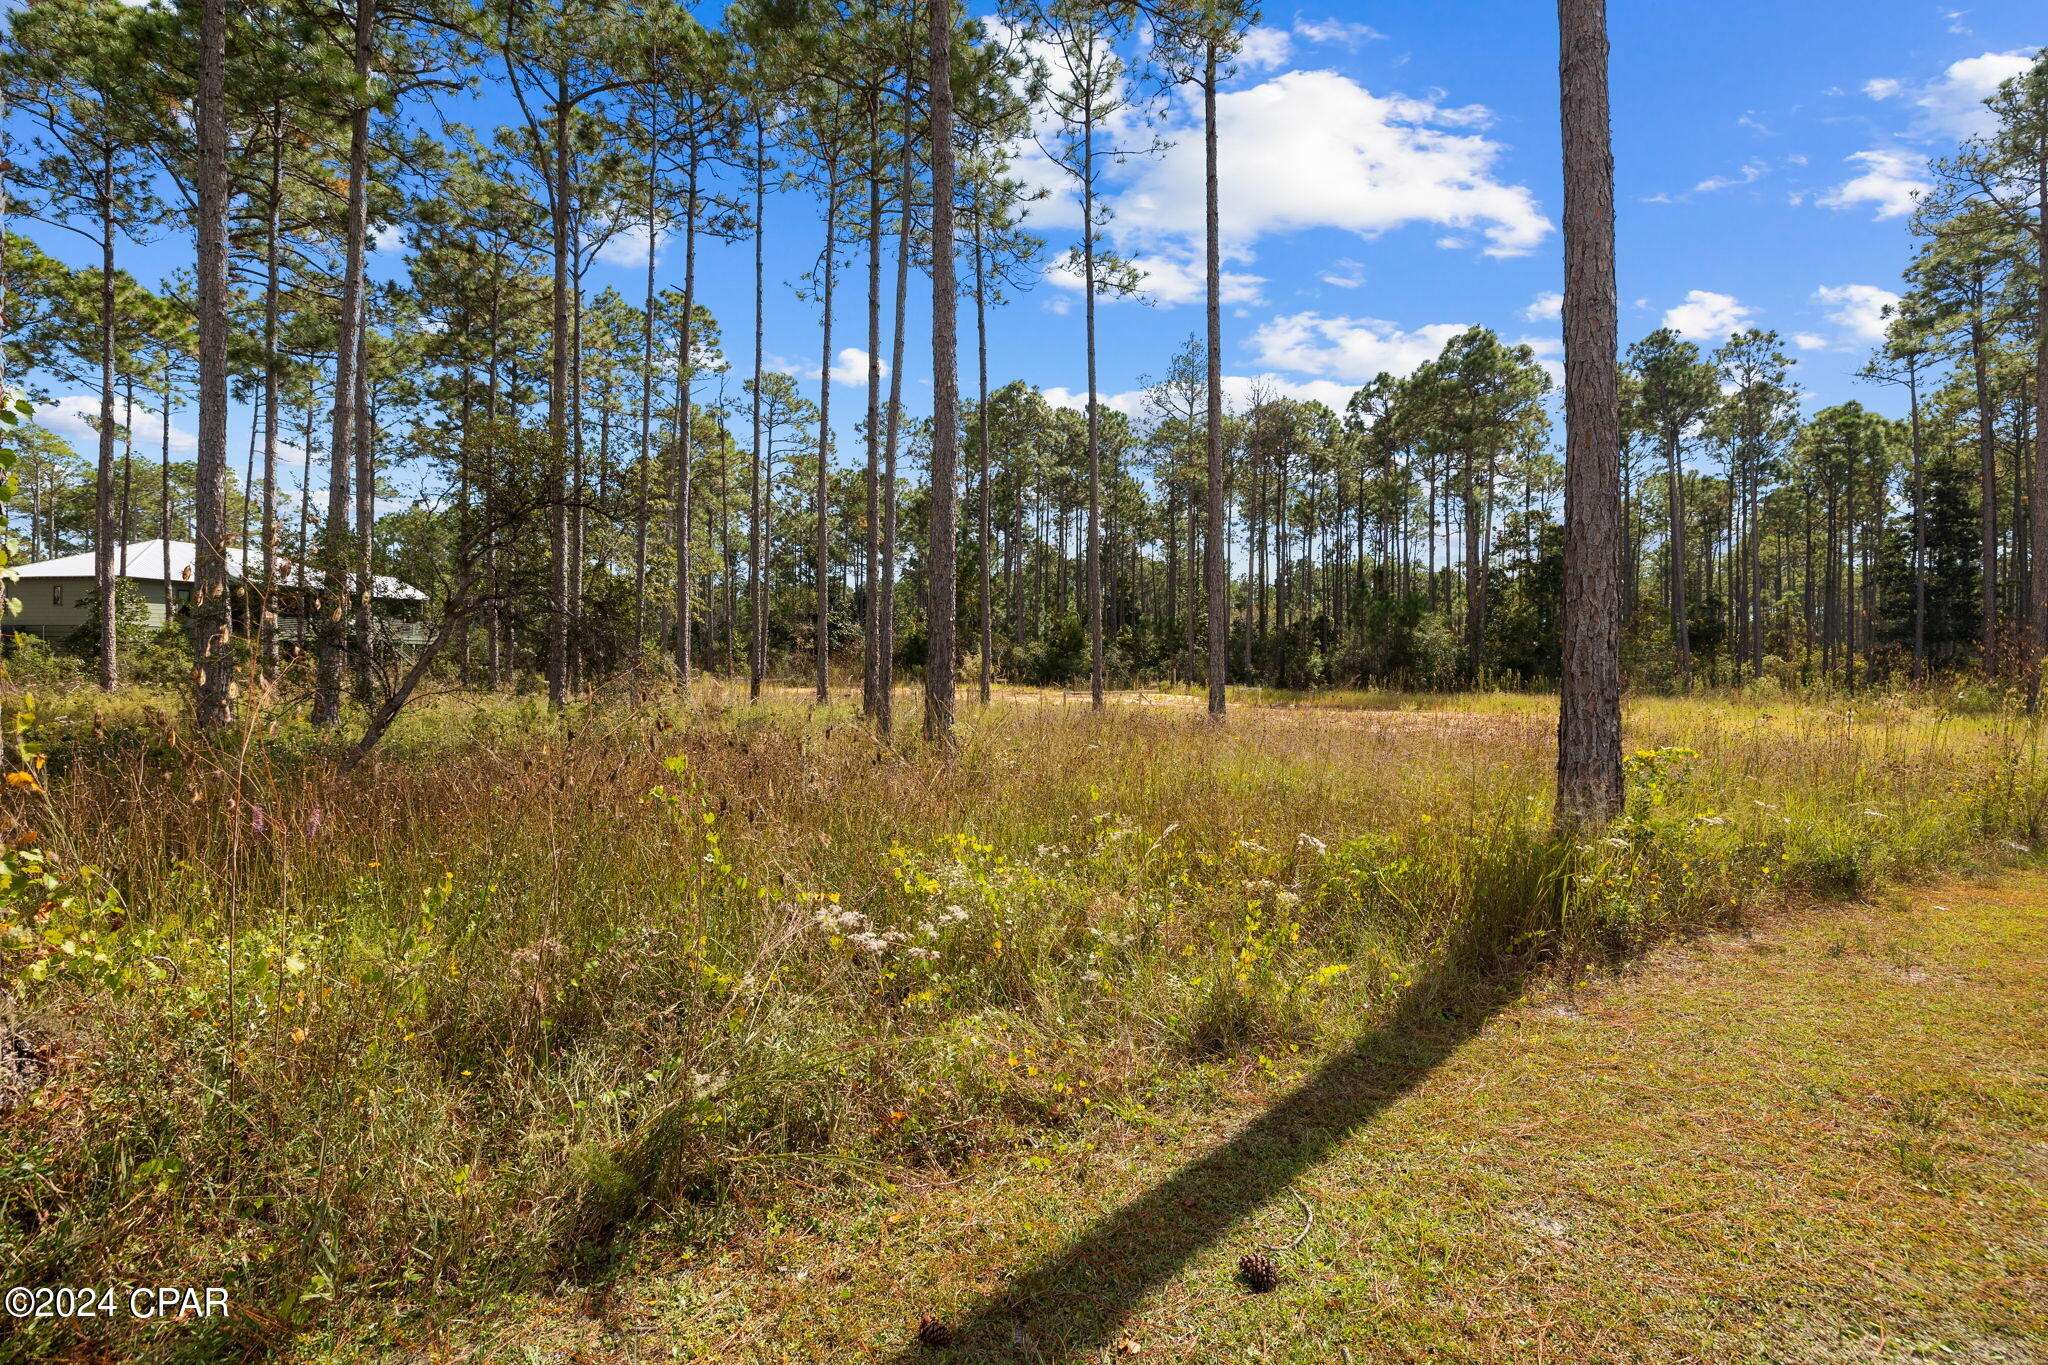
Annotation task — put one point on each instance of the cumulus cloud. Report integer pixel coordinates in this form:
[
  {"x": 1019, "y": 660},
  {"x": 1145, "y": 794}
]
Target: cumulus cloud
[
  {"x": 628, "y": 246},
  {"x": 1892, "y": 181},
  {"x": 1707, "y": 317},
  {"x": 1263, "y": 48},
  {"x": 1809, "y": 341},
  {"x": 1547, "y": 306},
  {"x": 1314, "y": 149},
  {"x": 1349, "y": 350},
  {"x": 387, "y": 237},
  {"x": 1858, "y": 309},
  {"x": 851, "y": 367},
  {"x": 1952, "y": 104}
]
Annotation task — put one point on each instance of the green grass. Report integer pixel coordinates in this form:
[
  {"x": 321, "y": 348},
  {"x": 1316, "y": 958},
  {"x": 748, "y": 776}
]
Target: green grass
[
  {"x": 534, "y": 999},
  {"x": 1817, "y": 1142}
]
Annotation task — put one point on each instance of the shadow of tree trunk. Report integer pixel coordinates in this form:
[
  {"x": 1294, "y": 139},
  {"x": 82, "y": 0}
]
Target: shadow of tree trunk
[{"x": 1074, "y": 1302}]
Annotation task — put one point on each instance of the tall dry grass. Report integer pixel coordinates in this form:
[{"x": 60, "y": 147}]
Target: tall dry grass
[{"x": 531, "y": 993}]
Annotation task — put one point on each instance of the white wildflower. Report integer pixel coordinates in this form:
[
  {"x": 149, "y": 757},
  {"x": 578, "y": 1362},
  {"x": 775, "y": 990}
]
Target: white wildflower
[
  {"x": 1612, "y": 842},
  {"x": 1875, "y": 814},
  {"x": 1286, "y": 900},
  {"x": 1313, "y": 844}
]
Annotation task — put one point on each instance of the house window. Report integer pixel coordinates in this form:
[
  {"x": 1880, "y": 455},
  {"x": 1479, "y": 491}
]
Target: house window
[{"x": 56, "y": 594}]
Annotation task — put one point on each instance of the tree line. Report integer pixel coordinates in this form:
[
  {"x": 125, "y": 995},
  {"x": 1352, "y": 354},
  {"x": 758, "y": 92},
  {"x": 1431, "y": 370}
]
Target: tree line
[{"x": 613, "y": 482}]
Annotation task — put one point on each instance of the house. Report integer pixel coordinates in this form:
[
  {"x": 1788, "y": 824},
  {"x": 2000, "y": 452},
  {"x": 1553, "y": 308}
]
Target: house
[{"x": 57, "y": 596}]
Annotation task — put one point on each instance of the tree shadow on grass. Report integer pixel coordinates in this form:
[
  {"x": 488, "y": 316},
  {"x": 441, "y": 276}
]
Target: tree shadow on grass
[{"x": 1074, "y": 1302}]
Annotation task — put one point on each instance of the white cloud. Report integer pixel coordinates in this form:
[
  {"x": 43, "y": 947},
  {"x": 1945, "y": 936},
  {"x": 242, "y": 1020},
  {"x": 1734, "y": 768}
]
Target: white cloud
[
  {"x": 1751, "y": 172},
  {"x": 1707, "y": 317},
  {"x": 1350, "y": 350},
  {"x": 851, "y": 368},
  {"x": 1168, "y": 280},
  {"x": 1858, "y": 309},
  {"x": 73, "y": 417},
  {"x": 387, "y": 237},
  {"x": 1809, "y": 341},
  {"x": 1891, "y": 180},
  {"x": 1545, "y": 307},
  {"x": 1263, "y": 48},
  {"x": 1313, "y": 149},
  {"x": 627, "y": 247},
  {"x": 1951, "y": 106},
  {"x": 1344, "y": 273},
  {"x": 1335, "y": 31},
  {"x": 1239, "y": 392}
]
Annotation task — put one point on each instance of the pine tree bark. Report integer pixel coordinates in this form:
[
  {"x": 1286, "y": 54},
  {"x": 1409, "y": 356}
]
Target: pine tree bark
[
  {"x": 822, "y": 569},
  {"x": 1589, "y": 774},
  {"x": 1213, "y": 568},
  {"x": 212, "y": 698},
  {"x": 104, "y": 535},
  {"x": 942, "y": 606},
  {"x": 334, "y": 548}
]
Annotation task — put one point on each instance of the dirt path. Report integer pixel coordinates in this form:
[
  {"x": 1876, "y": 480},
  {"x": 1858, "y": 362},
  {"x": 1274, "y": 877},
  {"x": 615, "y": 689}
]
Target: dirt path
[{"x": 1826, "y": 1141}]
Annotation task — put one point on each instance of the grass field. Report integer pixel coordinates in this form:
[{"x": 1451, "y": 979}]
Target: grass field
[
  {"x": 536, "y": 1001},
  {"x": 1816, "y": 1141}
]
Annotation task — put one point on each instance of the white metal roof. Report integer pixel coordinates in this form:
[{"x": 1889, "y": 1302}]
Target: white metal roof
[{"x": 146, "y": 562}]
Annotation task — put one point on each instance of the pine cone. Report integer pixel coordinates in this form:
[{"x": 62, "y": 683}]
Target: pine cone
[
  {"x": 1258, "y": 1272},
  {"x": 932, "y": 1332}
]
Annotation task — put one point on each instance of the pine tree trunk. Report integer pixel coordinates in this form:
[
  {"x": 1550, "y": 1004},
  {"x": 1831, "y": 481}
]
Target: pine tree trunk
[
  {"x": 942, "y": 609},
  {"x": 1589, "y": 774},
  {"x": 1213, "y": 567},
  {"x": 1681, "y": 632},
  {"x": 273, "y": 232},
  {"x": 2037, "y": 488},
  {"x": 1987, "y": 459},
  {"x": 685, "y": 468},
  {"x": 885, "y": 678},
  {"x": 757, "y": 579},
  {"x": 1095, "y": 680},
  {"x": 334, "y": 535},
  {"x": 871, "y": 531},
  {"x": 104, "y": 537},
  {"x": 212, "y": 701},
  {"x": 987, "y": 620},
  {"x": 823, "y": 568}
]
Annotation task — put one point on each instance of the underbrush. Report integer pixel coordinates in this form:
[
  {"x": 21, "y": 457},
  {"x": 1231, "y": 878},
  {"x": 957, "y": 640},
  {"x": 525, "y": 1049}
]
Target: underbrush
[{"x": 531, "y": 993}]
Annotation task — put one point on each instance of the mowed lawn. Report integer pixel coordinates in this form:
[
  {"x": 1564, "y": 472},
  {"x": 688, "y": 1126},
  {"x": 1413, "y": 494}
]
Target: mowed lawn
[{"x": 1824, "y": 1139}]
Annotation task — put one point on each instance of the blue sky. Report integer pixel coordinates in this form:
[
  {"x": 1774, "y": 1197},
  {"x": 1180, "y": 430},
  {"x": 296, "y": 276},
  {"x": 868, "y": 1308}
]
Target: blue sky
[{"x": 1390, "y": 176}]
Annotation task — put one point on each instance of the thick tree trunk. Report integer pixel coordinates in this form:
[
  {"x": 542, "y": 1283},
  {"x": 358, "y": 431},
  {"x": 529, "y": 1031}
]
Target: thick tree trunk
[
  {"x": 212, "y": 699},
  {"x": 942, "y": 609},
  {"x": 2037, "y": 486},
  {"x": 1589, "y": 774},
  {"x": 334, "y": 539}
]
